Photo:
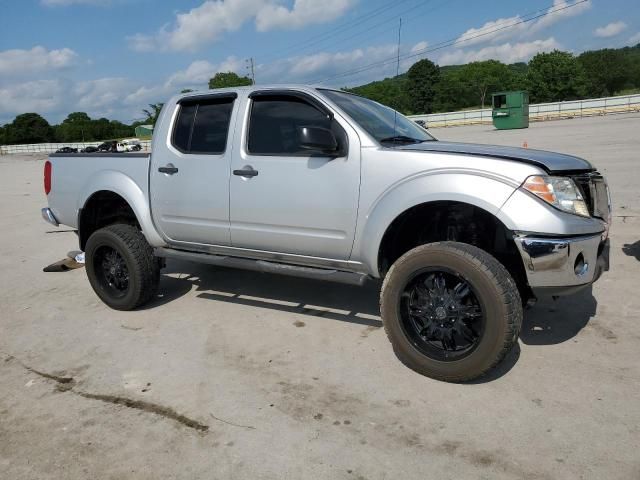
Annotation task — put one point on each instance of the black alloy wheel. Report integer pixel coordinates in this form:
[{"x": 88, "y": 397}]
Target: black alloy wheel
[
  {"x": 441, "y": 314},
  {"x": 451, "y": 310},
  {"x": 111, "y": 271}
]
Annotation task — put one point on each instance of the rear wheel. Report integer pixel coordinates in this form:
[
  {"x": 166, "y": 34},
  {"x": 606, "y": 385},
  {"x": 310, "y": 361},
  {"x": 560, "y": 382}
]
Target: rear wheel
[
  {"x": 121, "y": 267},
  {"x": 450, "y": 310}
]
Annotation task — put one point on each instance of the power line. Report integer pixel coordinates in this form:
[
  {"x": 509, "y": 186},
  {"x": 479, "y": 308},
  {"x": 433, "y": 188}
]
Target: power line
[
  {"x": 387, "y": 21},
  {"x": 448, "y": 43},
  {"x": 369, "y": 28},
  {"x": 329, "y": 34}
]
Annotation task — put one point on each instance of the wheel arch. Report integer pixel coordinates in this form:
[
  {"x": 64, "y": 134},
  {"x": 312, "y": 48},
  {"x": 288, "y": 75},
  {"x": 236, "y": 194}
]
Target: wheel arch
[
  {"x": 479, "y": 191},
  {"x": 112, "y": 195}
]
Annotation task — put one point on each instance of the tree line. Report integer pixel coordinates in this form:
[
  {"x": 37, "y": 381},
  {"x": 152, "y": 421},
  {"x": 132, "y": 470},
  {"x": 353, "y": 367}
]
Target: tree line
[
  {"x": 424, "y": 88},
  {"x": 548, "y": 77},
  {"x": 77, "y": 127}
]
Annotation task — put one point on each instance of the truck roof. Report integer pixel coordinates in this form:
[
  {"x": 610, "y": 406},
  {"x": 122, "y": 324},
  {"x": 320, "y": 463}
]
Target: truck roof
[{"x": 251, "y": 88}]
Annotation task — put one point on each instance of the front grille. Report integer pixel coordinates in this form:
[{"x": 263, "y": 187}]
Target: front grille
[{"x": 593, "y": 187}]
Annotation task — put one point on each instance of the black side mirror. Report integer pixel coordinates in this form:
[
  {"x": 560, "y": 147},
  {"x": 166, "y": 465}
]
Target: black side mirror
[{"x": 317, "y": 138}]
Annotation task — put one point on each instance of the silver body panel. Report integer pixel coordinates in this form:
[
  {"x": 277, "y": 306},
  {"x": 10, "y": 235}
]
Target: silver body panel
[{"x": 312, "y": 211}]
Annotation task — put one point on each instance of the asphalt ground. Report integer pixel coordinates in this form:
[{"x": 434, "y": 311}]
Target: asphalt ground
[{"x": 233, "y": 374}]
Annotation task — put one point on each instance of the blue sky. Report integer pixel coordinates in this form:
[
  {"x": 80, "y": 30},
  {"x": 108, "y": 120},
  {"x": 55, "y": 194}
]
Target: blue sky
[{"x": 112, "y": 57}]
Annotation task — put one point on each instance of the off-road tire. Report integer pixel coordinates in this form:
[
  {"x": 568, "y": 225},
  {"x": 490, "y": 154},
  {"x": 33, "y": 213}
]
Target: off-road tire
[
  {"x": 490, "y": 280},
  {"x": 143, "y": 267}
]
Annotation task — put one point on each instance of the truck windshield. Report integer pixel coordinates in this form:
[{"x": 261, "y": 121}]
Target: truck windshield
[{"x": 383, "y": 123}]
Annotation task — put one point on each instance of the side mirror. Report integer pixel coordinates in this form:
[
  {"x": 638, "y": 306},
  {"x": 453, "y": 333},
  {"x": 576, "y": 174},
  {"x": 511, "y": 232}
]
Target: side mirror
[{"x": 317, "y": 138}]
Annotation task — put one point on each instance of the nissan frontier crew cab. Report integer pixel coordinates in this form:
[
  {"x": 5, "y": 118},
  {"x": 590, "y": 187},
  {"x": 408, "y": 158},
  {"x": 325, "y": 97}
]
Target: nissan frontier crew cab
[{"x": 324, "y": 184}]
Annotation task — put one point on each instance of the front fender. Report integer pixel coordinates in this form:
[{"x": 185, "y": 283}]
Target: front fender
[
  {"x": 120, "y": 183},
  {"x": 485, "y": 191},
  {"x": 524, "y": 213}
]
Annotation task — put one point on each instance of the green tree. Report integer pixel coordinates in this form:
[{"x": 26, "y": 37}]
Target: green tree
[
  {"x": 452, "y": 92},
  {"x": 607, "y": 71},
  {"x": 390, "y": 92},
  {"x": 152, "y": 113},
  {"x": 422, "y": 78},
  {"x": 186, "y": 90},
  {"x": 228, "y": 79},
  {"x": 75, "y": 128},
  {"x": 555, "y": 76},
  {"x": 28, "y": 128},
  {"x": 120, "y": 130},
  {"x": 485, "y": 77}
]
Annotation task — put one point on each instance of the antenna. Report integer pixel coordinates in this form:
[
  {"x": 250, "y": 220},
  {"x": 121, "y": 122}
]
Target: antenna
[{"x": 395, "y": 112}]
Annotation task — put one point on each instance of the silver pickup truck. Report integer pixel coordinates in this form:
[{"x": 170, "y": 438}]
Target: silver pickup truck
[{"x": 323, "y": 184}]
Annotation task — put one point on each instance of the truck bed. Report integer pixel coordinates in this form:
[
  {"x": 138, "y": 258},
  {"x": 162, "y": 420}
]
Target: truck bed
[{"x": 74, "y": 175}]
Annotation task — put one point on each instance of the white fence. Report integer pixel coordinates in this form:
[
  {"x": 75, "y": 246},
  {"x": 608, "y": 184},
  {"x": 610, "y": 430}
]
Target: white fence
[
  {"x": 52, "y": 147},
  {"x": 540, "y": 111}
]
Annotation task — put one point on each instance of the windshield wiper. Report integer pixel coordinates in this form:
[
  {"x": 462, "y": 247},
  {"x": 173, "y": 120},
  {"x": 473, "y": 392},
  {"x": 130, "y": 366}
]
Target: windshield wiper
[{"x": 400, "y": 139}]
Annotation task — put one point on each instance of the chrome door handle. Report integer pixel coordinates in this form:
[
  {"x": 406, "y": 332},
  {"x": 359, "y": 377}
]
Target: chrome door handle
[
  {"x": 168, "y": 168},
  {"x": 246, "y": 172}
]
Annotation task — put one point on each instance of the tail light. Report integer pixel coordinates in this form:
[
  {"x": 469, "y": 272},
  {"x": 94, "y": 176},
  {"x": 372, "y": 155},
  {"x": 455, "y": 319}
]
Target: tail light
[{"x": 47, "y": 177}]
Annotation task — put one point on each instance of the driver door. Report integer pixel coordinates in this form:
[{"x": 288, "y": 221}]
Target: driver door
[{"x": 297, "y": 201}]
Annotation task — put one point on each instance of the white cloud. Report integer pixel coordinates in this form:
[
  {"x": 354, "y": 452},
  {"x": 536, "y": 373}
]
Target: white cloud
[
  {"x": 42, "y": 96},
  {"x": 207, "y": 22},
  {"x": 633, "y": 40},
  {"x": 56, "y": 98},
  {"x": 38, "y": 59},
  {"x": 501, "y": 29},
  {"x": 610, "y": 30},
  {"x": 303, "y": 12},
  {"x": 493, "y": 30},
  {"x": 506, "y": 52},
  {"x": 419, "y": 47},
  {"x": 560, "y": 10},
  {"x": 318, "y": 66},
  {"x": 200, "y": 71}
]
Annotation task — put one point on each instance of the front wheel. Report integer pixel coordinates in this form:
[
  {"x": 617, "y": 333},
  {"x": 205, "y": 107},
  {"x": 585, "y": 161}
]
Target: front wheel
[
  {"x": 121, "y": 267},
  {"x": 451, "y": 310}
]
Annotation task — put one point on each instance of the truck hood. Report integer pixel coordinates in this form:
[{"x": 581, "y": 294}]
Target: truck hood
[{"x": 550, "y": 161}]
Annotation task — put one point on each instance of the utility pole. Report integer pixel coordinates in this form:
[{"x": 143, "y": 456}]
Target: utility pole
[{"x": 251, "y": 70}]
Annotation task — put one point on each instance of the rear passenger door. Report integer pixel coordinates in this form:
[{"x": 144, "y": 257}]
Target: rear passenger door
[
  {"x": 189, "y": 178},
  {"x": 298, "y": 201}
]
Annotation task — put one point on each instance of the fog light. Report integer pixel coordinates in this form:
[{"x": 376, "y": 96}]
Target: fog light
[{"x": 580, "y": 267}]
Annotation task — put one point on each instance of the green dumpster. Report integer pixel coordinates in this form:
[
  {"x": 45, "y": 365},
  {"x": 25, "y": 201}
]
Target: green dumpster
[
  {"x": 510, "y": 110},
  {"x": 144, "y": 132}
]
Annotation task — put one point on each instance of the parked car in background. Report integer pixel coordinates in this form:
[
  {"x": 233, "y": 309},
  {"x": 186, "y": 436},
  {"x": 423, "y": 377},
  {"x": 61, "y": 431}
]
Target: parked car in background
[
  {"x": 109, "y": 146},
  {"x": 129, "y": 145},
  {"x": 324, "y": 184},
  {"x": 67, "y": 150},
  {"x": 89, "y": 149}
]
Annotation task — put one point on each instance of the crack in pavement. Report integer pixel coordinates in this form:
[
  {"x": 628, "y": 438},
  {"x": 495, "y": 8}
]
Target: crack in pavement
[
  {"x": 145, "y": 406},
  {"x": 67, "y": 384}
]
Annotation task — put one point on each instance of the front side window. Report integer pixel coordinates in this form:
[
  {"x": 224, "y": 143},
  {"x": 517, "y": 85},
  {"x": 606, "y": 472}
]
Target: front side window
[
  {"x": 203, "y": 126},
  {"x": 275, "y": 122},
  {"x": 383, "y": 123}
]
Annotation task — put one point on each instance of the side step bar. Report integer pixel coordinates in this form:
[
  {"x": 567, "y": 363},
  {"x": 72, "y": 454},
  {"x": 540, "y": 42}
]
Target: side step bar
[{"x": 264, "y": 266}]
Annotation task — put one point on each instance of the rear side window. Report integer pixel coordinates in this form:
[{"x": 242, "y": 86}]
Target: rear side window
[
  {"x": 274, "y": 122},
  {"x": 203, "y": 127}
]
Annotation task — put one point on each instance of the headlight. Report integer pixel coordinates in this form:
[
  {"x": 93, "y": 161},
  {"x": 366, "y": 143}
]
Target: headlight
[{"x": 561, "y": 192}]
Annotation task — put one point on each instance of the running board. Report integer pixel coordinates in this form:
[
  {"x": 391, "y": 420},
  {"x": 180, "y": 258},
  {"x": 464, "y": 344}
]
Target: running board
[{"x": 265, "y": 266}]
